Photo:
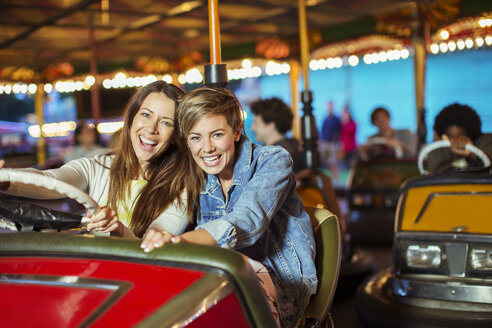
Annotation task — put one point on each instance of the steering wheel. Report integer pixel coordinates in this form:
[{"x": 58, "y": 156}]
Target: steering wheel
[
  {"x": 39, "y": 180},
  {"x": 445, "y": 144},
  {"x": 384, "y": 142}
]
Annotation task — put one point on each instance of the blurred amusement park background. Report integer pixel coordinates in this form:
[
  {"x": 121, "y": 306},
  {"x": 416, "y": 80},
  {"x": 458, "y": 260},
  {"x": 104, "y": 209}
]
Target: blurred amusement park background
[{"x": 64, "y": 61}]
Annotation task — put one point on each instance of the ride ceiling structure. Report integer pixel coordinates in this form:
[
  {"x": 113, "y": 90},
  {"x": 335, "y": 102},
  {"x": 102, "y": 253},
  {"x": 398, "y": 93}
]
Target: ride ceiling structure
[{"x": 42, "y": 41}]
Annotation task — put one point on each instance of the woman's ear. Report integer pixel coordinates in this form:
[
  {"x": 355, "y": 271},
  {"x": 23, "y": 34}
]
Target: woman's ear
[{"x": 237, "y": 134}]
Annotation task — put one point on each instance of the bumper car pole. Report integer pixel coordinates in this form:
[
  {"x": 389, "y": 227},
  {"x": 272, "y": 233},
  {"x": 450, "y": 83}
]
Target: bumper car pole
[
  {"x": 215, "y": 72},
  {"x": 308, "y": 125}
]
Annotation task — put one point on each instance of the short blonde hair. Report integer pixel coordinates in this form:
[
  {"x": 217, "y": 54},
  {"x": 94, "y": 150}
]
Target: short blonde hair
[{"x": 202, "y": 102}]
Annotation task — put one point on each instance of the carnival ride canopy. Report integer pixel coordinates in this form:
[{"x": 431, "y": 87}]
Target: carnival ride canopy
[{"x": 43, "y": 41}]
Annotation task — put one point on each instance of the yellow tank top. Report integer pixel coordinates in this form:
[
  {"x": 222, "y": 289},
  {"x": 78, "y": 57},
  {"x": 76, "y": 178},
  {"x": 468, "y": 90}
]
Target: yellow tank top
[{"x": 125, "y": 209}]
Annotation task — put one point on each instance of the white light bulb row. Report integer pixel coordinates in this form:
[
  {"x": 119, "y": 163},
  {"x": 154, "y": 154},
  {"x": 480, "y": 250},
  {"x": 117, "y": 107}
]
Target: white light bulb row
[
  {"x": 353, "y": 60},
  {"x": 121, "y": 80},
  {"x": 63, "y": 129},
  {"x": 460, "y": 44},
  {"x": 59, "y": 129}
]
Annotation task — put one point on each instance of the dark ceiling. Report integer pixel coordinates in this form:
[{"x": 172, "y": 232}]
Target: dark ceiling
[{"x": 42, "y": 40}]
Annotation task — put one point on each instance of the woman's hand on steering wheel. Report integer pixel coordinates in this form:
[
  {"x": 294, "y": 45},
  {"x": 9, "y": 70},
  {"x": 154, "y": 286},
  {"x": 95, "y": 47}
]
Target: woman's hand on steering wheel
[{"x": 105, "y": 220}]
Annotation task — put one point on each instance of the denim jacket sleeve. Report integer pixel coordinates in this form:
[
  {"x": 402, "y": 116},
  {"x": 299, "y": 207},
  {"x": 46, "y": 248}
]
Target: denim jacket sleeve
[{"x": 255, "y": 201}]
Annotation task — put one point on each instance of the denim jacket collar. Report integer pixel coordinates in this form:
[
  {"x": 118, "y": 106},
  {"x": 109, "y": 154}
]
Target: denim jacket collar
[{"x": 241, "y": 166}]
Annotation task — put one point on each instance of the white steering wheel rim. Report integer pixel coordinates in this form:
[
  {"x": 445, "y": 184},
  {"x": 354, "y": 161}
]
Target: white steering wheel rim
[
  {"x": 445, "y": 144},
  {"x": 384, "y": 141},
  {"x": 39, "y": 180}
]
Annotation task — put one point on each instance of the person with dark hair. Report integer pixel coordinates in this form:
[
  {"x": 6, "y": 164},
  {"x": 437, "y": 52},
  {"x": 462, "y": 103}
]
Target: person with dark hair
[
  {"x": 146, "y": 183},
  {"x": 272, "y": 120},
  {"x": 461, "y": 125},
  {"x": 86, "y": 143},
  {"x": 348, "y": 145},
  {"x": 331, "y": 131},
  {"x": 403, "y": 139}
]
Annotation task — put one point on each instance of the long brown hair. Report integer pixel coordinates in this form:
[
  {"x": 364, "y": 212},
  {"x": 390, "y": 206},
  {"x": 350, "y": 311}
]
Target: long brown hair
[{"x": 168, "y": 173}]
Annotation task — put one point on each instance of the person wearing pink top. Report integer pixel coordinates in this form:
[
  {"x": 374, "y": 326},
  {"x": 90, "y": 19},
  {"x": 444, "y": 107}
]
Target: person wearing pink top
[{"x": 348, "y": 146}]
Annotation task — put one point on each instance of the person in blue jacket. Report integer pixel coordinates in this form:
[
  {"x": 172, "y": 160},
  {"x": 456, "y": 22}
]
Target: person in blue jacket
[{"x": 248, "y": 201}]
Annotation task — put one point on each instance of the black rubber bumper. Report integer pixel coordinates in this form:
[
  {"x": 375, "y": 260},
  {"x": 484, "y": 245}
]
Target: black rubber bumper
[{"x": 376, "y": 307}]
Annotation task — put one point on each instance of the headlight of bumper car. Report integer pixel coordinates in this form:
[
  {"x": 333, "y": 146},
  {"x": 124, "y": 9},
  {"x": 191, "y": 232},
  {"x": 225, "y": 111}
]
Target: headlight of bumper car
[
  {"x": 481, "y": 258},
  {"x": 428, "y": 256}
]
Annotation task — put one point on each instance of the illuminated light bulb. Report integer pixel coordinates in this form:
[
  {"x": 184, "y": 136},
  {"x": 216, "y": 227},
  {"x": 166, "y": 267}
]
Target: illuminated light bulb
[
  {"x": 247, "y": 63},
  {"x": 444, "y": 34},
  {"x": 1, "y": 89},
  {"x": 485, "y": 22},
  {"x": 182, "y": 78},
  {"x": 32, "y": 88},
  {"x": 383, "y": 57},
  {"x": 79, "y": 85},
  {"x": 34, "y": 131},
  {"x": 243, "y": 73},
  {"x": 16, "y": 88},
  {"x": 284, "y": 68},
  {"x": 90, "y": 80},
  {"x": 353, "y": 60},
  {"x": 393, "y": 55},
  {"x": 460, "y": 44},
  {"x": 338, "y": 62},
  {"x": 314, "y": 65},
  {"x": 367, "y": 59},
  {"x": 167, "y": 78},
  {"x": 107, "y": 84},
  {"x": 194, "y": 76},
  {"x": 23, "y": 88},
  {"x": 130, "y": 82},
  {"x": 375, "y": 58},
  {"x": 434, "y": 48},
  {"x": 488, "y": 40},
  {"x": 48, "y": 87},
  {"x": 404, "y": 53},
  {"x": 469, "y": 43},
  {"x": 330, "y": 63},
  {"x": 151, "y": 78},
  {"x": 479, "y": 41},
  {"x": 120, "y": 76},
  {"x": 443, "y": 47},
  {"x": 256, "y": 71},
  {"x": 109, "y": 127},
  {"x": 7, "y": 89},
  {"x": 270, "y": 68},
  {"x": 452, "y": 46}
]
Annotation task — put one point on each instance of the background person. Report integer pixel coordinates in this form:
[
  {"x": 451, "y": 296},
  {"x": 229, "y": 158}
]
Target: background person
[
  {"x": 249, "y": 201},
  {"x": 86, "y": 143},
  {"x": 404, "y": 138},
  {"x": 145, "y": 182},
  {"x": 330, "y": 140},
  {"x": 348, "y": 145},
  {"x": 272, "y": 120},
  {"x": 461, "y": 125}
]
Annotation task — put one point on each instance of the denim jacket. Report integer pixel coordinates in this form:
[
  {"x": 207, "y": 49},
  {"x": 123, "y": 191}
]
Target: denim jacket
[{"x": 263, "y": 218}]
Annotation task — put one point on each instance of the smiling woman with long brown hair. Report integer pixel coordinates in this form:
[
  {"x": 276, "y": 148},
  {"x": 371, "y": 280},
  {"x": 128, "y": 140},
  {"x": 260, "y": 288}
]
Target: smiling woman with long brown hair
[{"x": 145, "y": 183}]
